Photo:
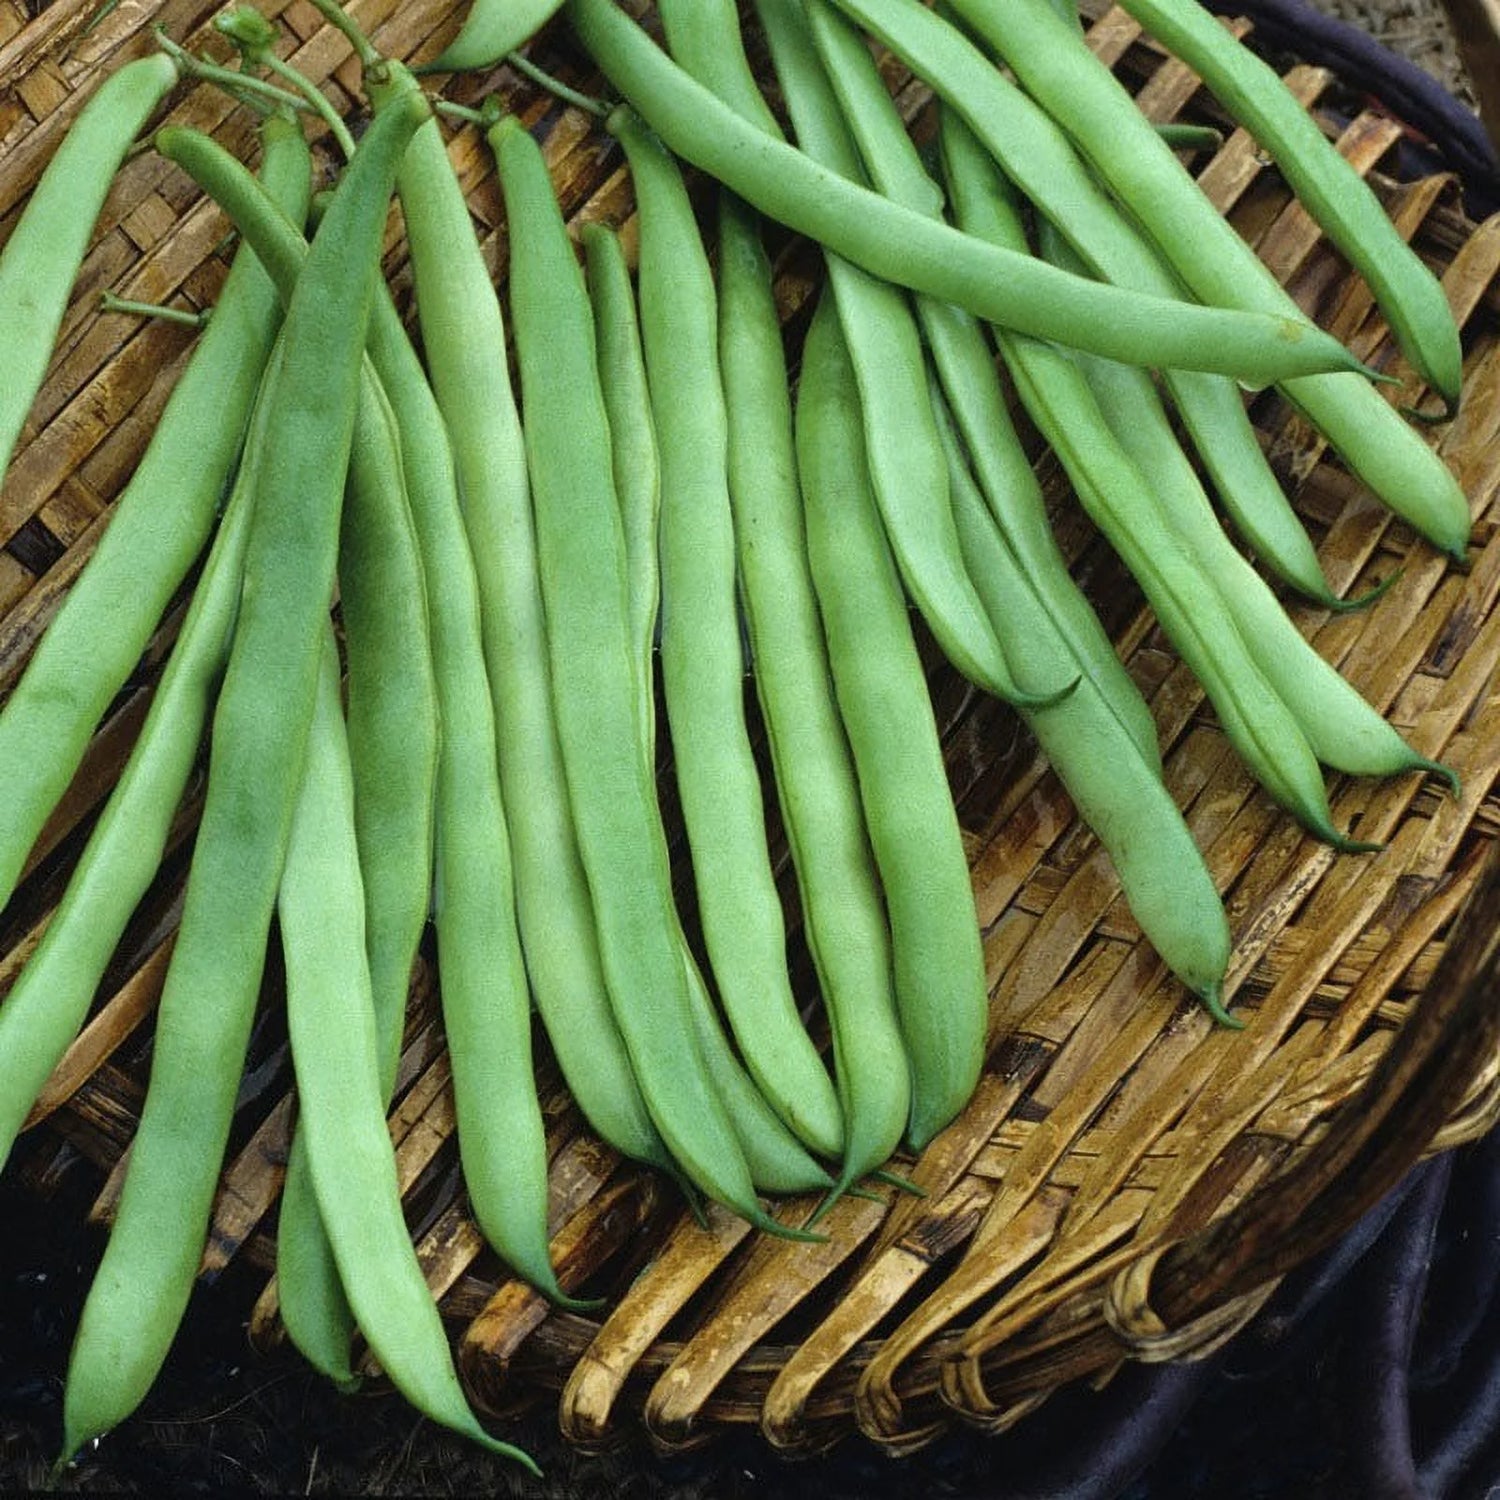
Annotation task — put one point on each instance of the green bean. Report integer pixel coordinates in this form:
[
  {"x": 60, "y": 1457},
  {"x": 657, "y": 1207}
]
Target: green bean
[
  {"x": 703, "y": 36},
  {"x": 893, "y": 243},
  {"x": 1334, "y": 194},
  {"x": 41, "y": 258},
  {"x": 470, "y": 834},
  {"x": 392, "y": 747},
  {"x": 1342, "y": 729},
  {"x": 966, "y": 369},
  {"x": 160, "y": 522},
  {"x": 1055, "y": 66},
  {"x": 1037, "y": 155},
  {"x": 815, "y": 776},
  {"x": 259, "y": 737},
  {"x": 550, "y": 937},
  {"x": 619, "y": 837},
  {"x": 702, "y": 658},
  {"x": 1118, "y": 792},
  {"x": 491, "y": 29},
  {"x": 336, "y": 1050},
  {"x": 634, "y": 459},
  {"x": 883, "y": 699},
  {"x": 776, "y": 1160},
  {"x": 906, "y": 458},
  {"x": 50, "y": 998}
]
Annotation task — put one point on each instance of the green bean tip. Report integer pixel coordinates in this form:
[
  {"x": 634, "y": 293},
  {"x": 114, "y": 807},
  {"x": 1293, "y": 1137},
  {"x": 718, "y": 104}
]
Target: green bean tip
[
  {"x": 1212, "y": 997},
  {"x": 773, "y": 1226},
  {"x": 1339, "y": 606},
  {"x": 1444, "y": 773},
  {"x": 900, "y": 1183}
]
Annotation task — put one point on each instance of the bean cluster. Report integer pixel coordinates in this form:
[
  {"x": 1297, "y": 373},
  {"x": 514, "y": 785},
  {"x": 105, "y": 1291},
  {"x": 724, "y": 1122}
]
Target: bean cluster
[{"x": 477, "y": 746}]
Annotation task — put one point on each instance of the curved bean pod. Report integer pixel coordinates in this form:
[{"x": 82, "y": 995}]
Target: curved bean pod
[
  {"x": 1056, "y": 67},
  {"x": 161, "y": 520},
  {"x": 1336, "y": 196},
  {"x": 1343, "y": 730},
  {"x": 48, "y": 1002},
  {"x": 491, "y": 29},
  {"x": 41, "y": 258},
  {"x": 336, "y": 1055},
  {"x": 884, "y": 341},
  {"x": 259, "y": 738},
  {"x": 893, "y": 243},
  {"x": 1119, "y": 792},
  {"x": 776, "y": 1160},
  {"x": 702, "y": 658},
  {"x": 1038, "y": 157},
  {"x": 966, "y": 368},
  {"x": 882, "y": 694}
]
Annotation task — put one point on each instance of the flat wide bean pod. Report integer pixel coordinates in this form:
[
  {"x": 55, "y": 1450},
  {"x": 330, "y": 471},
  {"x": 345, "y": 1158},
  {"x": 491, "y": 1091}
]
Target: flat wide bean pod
[
  {"x": 900, "y": 246},
  {"x": 41, "y": 258},
  {"x": 259, "y": 739}
]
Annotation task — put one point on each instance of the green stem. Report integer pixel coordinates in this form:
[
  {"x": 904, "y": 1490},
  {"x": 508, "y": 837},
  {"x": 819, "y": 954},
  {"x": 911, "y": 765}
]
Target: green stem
[
  {"x": 110, "y": 303},
  {"x": 241, "y": 85},
  {"x": 321, "y": 104},
  {"x": 555, "y": 86},
  {"x": 338, "y": 17}
]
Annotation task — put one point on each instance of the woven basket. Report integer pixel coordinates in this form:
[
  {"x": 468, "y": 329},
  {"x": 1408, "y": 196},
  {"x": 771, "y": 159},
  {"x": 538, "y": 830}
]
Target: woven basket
[{"x": 1130, "y": 1181}]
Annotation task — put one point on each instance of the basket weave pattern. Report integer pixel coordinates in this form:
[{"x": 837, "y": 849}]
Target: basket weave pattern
[{"x": 1129, "y": 1180}]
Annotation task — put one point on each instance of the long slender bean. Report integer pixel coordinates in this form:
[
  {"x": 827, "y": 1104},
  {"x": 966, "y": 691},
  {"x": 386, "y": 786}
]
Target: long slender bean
[
  {"x": 160, "y": 522},
  {"x": 845, "y": 920},
  {"x": 501, "y": 1136},
  {"x": 905, "y": 454},
  {"x": 1336, "y": 196},
  {"x": 392, "y": 738},
  {"x": 1118, "y": 791},
  {"x": 1055, "y": 66},
  {"x": 634, "y": 458},
  {"x": 966, "y": 367},
  {"x": 776, "y": 1160},
  {"x": 336, "y": 1054},
  {"x": 883, "y": 700},
  {"x": 893, "y": 243},
  {"x": 49, "y": 1000},
  {"x": 45, "y": 249},
  {"x": 259, "y": 737},
  {"x": 702, "y": 658}
]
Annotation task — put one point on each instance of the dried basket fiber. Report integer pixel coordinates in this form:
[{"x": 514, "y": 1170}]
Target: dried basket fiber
[{"x": 1130, "y": 1181}]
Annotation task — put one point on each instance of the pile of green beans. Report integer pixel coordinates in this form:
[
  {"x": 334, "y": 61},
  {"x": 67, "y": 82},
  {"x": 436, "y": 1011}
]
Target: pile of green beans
[{"x": 521, "y": 570}]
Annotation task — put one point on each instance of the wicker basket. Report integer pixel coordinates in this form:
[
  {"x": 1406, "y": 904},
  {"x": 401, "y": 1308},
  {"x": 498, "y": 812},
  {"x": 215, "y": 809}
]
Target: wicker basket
[{"x": 1129, "y": 1181}]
